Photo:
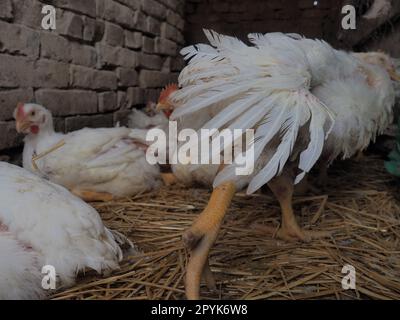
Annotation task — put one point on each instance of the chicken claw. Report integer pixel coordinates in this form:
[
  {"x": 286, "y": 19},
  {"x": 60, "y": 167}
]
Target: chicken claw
[
  {"x": 282, "y": 187},
  {"x": 292, "y": 230},
  {"x": 291, "y": 235}
]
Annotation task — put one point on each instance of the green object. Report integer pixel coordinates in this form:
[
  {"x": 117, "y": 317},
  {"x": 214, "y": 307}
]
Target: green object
[{"x": 393, "y": 165}]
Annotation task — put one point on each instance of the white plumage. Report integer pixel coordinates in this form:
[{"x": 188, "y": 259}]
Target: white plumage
[
  {"x": 305, "y": 101},
  {"x": 140, "y": 120},
  {"x": 20, "y": 276},
  {"x": 108, "y": 160},
  {"x": 46, "y": 225},
  {"x": 303, "y": 98}
]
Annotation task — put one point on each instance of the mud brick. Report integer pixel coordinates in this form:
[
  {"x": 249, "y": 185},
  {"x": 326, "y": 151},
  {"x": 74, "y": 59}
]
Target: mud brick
[
  {"x": 86, "y": 78},
  {"x": 9, "y": 100},
  {"x": 96, "y": 121},
  {"x": 67, "y": 102},
  {"x": 107, "y": 101}
]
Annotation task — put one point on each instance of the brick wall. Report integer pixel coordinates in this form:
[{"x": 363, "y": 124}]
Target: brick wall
[
  {"x": 105, "y": 57},
  {"x": 108, "y": 56},
  {"x": 242, "y": 17}
]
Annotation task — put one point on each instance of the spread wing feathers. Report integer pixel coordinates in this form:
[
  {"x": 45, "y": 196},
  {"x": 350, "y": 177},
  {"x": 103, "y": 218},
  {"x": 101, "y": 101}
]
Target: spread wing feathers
[
  {"x": 263, "y": 87},
  {"x": 297, "y": 115},
  {"x": 319, "y": 121},
  {"x": 225, "y": 43},
  {"x": 285, "y": 48},
  {"x": 234, "y": 110},
  {"x": 272, "y": 38},
  {"x": 200, "y": 52},
  {"x": 212, "y": 94},
  {"x": 248, "y": 120}
]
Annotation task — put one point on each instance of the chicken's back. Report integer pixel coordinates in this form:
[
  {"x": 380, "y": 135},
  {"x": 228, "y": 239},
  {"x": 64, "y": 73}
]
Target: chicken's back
[
  {"x": 361, "y": 112},
  {"x": 68, "y": 232},
  {"x": 20, "y": 270},
  {"x": 101, "y": 160}
]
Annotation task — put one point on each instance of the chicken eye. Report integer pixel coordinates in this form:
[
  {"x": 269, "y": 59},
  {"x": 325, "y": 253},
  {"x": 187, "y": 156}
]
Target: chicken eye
[{"x": 33, "y": 113}]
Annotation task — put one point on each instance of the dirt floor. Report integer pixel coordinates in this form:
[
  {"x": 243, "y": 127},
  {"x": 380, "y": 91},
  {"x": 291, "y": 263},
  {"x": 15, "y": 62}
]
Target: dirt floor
[{"x": 359, "y": 207}]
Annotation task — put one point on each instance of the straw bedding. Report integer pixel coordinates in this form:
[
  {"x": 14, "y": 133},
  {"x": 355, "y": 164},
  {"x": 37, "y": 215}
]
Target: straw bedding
[{"x": 359, "y": 207}]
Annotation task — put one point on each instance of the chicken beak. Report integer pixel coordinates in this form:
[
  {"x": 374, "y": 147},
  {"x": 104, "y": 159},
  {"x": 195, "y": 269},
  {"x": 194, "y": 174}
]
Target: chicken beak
[
  {"x": 161, "y": 106},
  {"x": 394, "y": 75},
  {"x": 22, "y": 125}
]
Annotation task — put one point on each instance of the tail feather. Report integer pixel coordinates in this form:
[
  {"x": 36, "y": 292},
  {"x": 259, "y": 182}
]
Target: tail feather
[{"x": 124, "y": 242}]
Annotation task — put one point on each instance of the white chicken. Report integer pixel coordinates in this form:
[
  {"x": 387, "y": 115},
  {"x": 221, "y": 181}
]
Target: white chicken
[
  {"x": 142, "y": 121},
  {"x": 306, "y": 102},
  {"x": 147, "y": 119},
  {"x": 42, "y": 224},
  {"x": 95, "y": 164},
  {"x": 20, "y": 270}
]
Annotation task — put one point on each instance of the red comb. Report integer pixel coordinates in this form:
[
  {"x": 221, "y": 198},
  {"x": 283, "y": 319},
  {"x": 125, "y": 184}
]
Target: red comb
[
  {"x": 20, "y": 110},
  {"x": 167, "y": 91}
]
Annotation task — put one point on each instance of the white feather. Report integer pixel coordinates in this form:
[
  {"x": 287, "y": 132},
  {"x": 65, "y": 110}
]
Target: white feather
[
  {"x": 278, "y": 161},
  {"x": 20, "y": 270},
  {"x": 199, "y": 51},
  {"x": 303, "y": 76},
  {"x": 101, "y": 160},
  {"x": 66, "y": 232},
  {"x": 317, "y": 137}
]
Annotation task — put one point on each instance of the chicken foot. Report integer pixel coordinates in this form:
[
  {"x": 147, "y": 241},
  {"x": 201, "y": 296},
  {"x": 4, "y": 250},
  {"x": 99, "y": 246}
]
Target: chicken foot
[
  {"x": 282, "y": 187},
  {"x": 92, "y": 196},
  {"x": 208, "y": 277},
  {"x": 200, "y": 237}
]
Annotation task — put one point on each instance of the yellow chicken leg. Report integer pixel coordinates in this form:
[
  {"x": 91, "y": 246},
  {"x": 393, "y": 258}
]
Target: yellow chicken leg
[
  {"x": 92, "y": 196},
  {"x": 282, "y": 187},
  {"x": 202, "y": 235},
  {"x": 169, "y": 178},
  {"x": 208, "y": 277}
]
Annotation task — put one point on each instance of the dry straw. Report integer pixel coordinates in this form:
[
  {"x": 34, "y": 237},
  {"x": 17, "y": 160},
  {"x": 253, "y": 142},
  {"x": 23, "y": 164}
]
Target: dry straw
[{"x": 359, "y": 207}]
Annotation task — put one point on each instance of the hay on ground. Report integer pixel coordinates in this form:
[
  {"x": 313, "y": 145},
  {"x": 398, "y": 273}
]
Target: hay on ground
[{"x": 359, "y": 206}]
